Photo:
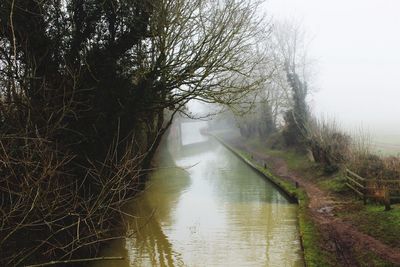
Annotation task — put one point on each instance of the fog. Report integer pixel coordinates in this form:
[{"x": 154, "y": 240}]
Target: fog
[{"x": 355, "y": 46}]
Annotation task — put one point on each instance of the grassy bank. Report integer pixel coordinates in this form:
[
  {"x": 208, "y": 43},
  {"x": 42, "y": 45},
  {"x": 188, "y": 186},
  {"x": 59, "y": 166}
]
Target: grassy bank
[
  {"x": 373, "y": 220},
  {"x": 370, "y": 219},
  {"x": 311, "y": 238}
]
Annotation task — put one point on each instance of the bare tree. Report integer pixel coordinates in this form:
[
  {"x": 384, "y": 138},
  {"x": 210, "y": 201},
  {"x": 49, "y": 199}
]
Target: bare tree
[
  {"x": 205, "y": 49},
  {"x": 202, "y": 50},
  {"x": 292, "y": 75}
]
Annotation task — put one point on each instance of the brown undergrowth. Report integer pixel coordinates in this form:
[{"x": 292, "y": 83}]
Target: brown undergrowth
[{"x": 55, "y": 207}]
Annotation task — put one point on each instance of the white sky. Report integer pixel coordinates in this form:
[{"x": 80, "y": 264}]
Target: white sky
[{"x": 356, "y": 44}]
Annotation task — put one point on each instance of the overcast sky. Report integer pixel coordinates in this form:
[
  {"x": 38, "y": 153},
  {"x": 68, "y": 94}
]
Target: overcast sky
[{"x": 356, "y": 44}]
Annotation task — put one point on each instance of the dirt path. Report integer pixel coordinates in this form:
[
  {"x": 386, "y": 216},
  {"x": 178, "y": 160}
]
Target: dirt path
[{"x": 342, "y": 237}]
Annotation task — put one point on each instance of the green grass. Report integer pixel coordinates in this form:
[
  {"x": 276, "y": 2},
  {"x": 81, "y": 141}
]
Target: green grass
[
  {"x": 335, "y": 184},
  {"x": 294, "y": 160},
  {"x": 314, "y": 254},
  {"x": 373, "y": 220},
  {"x": 366, "y": 258}
]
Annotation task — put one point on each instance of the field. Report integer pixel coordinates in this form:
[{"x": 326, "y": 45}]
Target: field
[{"x": 386, "y": 144}]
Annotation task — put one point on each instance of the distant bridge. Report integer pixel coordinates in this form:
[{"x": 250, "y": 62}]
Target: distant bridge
[{"x": 186, "y": 131}]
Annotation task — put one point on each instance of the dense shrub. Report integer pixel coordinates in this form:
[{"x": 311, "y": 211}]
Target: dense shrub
[
  {"x": 74, "y": 134},
  {"x": 329, "y": 146},
  {"x": 391, "y": 168},
  {"x": 376, "y": 167},
  {"x": 292, "y": 132},
  {"x": 276, "y": 141},
  {"x": 44, "y": 196}
]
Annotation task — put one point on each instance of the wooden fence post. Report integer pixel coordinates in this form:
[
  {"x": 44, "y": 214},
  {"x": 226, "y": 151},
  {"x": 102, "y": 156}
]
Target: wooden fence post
[
  {"x": 386, "y": 198},
  {"x": 365, "y": 192}
]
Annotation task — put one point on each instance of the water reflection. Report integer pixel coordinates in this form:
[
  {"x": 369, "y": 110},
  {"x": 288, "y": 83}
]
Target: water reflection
[{"x": 212, "y": 211}]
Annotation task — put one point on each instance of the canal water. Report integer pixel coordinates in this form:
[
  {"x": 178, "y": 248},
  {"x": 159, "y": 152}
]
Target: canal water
[{"x": 204, "y": 207}]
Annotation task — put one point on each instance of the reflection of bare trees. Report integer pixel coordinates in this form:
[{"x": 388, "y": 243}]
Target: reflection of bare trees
[{"x": 150, "y": 245}]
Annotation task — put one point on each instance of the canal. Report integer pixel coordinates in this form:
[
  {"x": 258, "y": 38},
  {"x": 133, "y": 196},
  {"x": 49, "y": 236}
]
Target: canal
[{"x": 205, "y": 207}]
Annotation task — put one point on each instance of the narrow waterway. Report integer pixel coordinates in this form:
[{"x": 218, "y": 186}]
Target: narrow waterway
[{"x": 205, "y": 207}]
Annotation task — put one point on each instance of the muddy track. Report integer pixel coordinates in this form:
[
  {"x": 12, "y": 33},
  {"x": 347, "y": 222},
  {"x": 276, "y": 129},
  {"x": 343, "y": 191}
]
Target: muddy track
[{"x": 342, "y": 237}]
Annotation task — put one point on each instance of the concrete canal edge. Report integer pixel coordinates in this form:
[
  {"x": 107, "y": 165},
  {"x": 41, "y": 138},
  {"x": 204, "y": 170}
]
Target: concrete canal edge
[{"x": 309, "y": 239}]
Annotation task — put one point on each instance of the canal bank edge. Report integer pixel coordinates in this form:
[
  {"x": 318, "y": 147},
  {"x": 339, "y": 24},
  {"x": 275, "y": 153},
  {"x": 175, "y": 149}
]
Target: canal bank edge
[{"x": 309, "y": 235}]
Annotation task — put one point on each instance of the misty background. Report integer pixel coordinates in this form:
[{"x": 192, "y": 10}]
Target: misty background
[{"x": 354, "y": 46}]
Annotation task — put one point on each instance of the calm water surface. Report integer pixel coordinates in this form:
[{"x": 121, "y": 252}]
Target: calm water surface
[{"x": 205, "y": 207}]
